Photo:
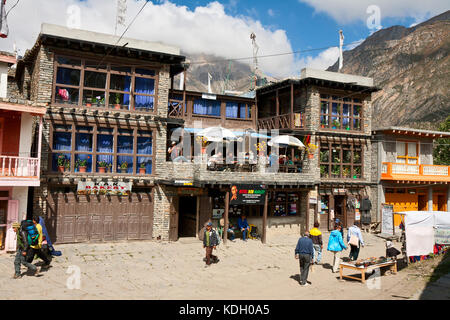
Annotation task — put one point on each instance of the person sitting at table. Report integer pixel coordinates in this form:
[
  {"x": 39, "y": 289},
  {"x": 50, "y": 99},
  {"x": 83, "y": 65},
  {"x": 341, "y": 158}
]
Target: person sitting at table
[
  {"x": 243, "y": 226},
  {"x": 215, "y": 159},
  {"x": 273, "y": 160},
  {"x": 289, "y": 162},
  {"x": 230, "y": 158},
  {"x": 282, "y": 159}
]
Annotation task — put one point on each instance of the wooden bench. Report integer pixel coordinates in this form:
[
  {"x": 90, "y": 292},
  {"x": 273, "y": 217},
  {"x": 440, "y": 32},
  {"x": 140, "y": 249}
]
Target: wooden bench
[{"x": 344, "y": 265}]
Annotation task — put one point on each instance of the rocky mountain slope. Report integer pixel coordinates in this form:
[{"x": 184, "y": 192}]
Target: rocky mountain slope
[{"x": 412, "y": 66}]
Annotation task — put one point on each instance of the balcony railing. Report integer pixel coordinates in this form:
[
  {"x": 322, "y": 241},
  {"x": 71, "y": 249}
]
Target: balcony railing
[
  {"x": 284, "y": 121},
  {"x": 424, "y": 172},
  {"x": 19, "y": 167},
  {"x": 176, "y": 108}
]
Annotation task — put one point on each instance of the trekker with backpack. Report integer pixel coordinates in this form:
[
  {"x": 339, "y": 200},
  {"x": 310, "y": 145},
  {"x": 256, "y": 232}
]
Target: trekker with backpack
[
  {"x": 21, "y": 252},
  {"x": 36, "y": 244}
]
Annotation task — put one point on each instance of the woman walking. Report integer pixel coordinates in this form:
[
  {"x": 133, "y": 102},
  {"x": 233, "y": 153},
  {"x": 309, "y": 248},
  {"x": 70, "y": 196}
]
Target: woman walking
[
  {"x": 336, "y": 245},
  {"x": 355, "y": 240}
]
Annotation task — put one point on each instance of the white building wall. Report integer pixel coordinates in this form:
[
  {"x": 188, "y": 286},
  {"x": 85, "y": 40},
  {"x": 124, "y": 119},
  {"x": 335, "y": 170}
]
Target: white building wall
[
  {"x": 3, "y": 80},
  {"x": 21, "y": 194},
  {"x": 26, "y": 127}
]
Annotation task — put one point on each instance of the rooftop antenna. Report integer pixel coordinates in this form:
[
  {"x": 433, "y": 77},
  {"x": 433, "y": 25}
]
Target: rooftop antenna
[
  {"x": 255, "y": 57},
  {"x": 121, "y": 14},
  {"x": 341, "y": 55}
]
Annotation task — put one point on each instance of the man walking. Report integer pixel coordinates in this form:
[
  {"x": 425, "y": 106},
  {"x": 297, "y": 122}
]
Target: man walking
[
  {"x": 304, "y": 252},
  {"x": 355, "y": 240},
  {"x": 36, "y": 249},
  {"x": 336, "y": 245},
  {"x": 210, "y": 242},
  {"x": 21, "y": 252},
  {"x": 316, "y": 237}
]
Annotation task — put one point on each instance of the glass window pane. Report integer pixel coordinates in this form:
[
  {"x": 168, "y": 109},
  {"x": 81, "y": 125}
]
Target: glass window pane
[
  {"x": 144, "y": 145},
  {"x": 83, "y": 142},
  {"x": 347, "y": 154},
  {"x": 62, "y": 141},
  {"x": 105, "y": 143},
  {"x": 95, "y": 79},
  {"x": 66, "y": 95},
  {"x": 64, "y": 159},
  {"x": 346, "y": 110},
  {"x": 68, "y": 76},
  {"x": 357, "y": 111},
  {"x": 346, "y": 123},
  {"x": 324, "y": 107},
  {"x": 356, "y": 124},
  {"x": 232, "y": 109},
  {"x": 242, "y": 108},
  {"x": 324, "y": 171},
  {"x": 96, "y": 65},
  {"x": 83, "y": 160},
  {"x": 346, "y": 172},
  {"x": 69, "y": 61},
  {"x": 93, "y": 98},
  {"x": 121, "y": 69},
  {"x": 125, "y": 132},
  {"x": 412, "y": 149},
  {"x": 119, "y": 101},
  {"x": 144, "y": 85},
  {"x": 335, "y": 109},
  {"x": 335, "y": 171},
  {"x": 357, "y": 157},
  {"x": 120, "y": 83},
  {"x": 144, "y": 163},
  {"x": 145, "y": 72},
  {"x": 356, "y": 172},
  {"x": 124, "y": 164},
  {"x": 324, "y": 155},
  {"x": 144, "y": 103},
  {"x": 324, "y": 121},
  {"x": 124, "y": 144},
  {"x": 104, "y": 161},
  {"x": 336, "y": 156},
  {"x": 401, "y": 149},
  {"x": 335, "y": 123}
]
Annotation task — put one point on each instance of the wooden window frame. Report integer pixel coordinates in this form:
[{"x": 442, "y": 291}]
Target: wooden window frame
[
  {"x": 406, "y": 157},
  {"x": 81, "y": 88},
  {"x": 272, "y": 203},
  {"x": 340, "y": 101},
  {"x": 136, "y": 132},
  {"x": 354, "y": 147}
]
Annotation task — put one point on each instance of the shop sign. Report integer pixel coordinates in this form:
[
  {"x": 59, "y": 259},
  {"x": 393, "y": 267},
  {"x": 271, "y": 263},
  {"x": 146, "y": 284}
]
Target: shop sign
[
  {"x": 189, "y": 191},
  {"x": 104, "y": 188},
  {"x": 313, "y": 200},
  {"x": 339, "y": 191},
  {"x": 209, "y": 96},
  {"x": 218, "y": 213},
  {"x": 183, "y": 183},
  {"x": 247, "y": 194},
  {"x": 442, "y": 236}
]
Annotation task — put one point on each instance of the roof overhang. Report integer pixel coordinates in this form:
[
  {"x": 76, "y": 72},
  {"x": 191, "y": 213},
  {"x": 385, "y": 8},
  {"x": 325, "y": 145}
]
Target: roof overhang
[
  {"x": 33, "y": 110},
  {"x": 413, "y": 132}
]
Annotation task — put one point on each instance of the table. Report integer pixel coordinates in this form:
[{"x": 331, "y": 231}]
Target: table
[{"x": 344, "y": 265}]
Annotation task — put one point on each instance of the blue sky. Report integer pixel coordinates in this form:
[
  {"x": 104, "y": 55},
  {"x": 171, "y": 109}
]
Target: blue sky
[{"x": 222, "y": 27}]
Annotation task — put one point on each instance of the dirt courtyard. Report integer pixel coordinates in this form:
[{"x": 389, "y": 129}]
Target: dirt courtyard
[{"x": 173, "y": 271}]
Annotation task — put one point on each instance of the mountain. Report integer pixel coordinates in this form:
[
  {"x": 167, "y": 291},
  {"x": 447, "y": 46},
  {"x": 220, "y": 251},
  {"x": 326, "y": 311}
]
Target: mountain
[
  {"x": 227, "y": 76},
  {"x": 411, "y": 66}
]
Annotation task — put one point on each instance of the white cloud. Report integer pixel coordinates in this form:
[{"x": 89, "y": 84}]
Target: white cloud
[
  {"x": 346, "y": 11},
  {"x": 322, "y": 61},
  {"x": 271, "y": 12},
  {"x": 205, "y": 29}
]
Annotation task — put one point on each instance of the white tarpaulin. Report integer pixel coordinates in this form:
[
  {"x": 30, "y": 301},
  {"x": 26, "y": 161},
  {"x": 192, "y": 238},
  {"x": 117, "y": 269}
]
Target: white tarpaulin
[{"x": 420, "y": 229}]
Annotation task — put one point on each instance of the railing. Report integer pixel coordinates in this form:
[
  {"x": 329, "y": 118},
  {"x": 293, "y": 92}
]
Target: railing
[
  {"x": 176, "y": 108},
  {"x": 19, "y": 167},
  {"x": 284, "y": 121},
  {"x": 421, "y": 171}
]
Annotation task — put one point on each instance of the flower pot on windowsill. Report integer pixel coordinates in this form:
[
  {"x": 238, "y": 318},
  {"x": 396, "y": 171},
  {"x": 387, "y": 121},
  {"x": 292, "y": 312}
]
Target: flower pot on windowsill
[
  {"x": 203, "y": 150},
  {"x": 101, "y": 170},
  {"x": 334, "y": 127},
  {"x": 88, "y": 104},
  {"x": 142, "y": 171},
  {"x": 322, "y": 126},
  {"x": 310, "y": 155},
  {"x": 82, "y": 169},
  {"x": 61, "y": 169},
  {"x": 117, "y": 106},
  {"x": 123, "y": 170}
]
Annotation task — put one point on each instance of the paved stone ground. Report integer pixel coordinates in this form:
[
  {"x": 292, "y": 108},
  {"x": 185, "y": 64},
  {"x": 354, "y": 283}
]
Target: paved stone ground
[{"x": 157, "y": 270}]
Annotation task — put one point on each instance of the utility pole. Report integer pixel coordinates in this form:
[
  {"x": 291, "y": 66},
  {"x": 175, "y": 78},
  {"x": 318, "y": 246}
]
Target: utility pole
[
  {"x": 255, "y": 58},
  {"x": 341, "y": 55}
]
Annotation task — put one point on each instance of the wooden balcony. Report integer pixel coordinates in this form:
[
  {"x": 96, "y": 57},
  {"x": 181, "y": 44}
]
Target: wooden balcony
[
  {"x": 19, "y": 171},
  {"x": 176, "y": 108},
  {"x": 285, "y": 121},
  {"x": 415, "y": 172}
]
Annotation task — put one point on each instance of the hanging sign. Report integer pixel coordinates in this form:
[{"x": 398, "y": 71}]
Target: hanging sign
[
  {"x": 104, "y": 188},
  {"x": 209, "y": 96},
  {"x": 387, "y": 219},
  {"x": 247, "y": 194}
]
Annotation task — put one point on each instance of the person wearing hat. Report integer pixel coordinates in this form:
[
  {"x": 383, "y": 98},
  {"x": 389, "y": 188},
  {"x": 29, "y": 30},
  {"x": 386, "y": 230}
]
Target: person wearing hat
[
  {"x": 22, "y": 247},
  {"x": 391, "y": 251},
  {"x": 210, "y": 242}
]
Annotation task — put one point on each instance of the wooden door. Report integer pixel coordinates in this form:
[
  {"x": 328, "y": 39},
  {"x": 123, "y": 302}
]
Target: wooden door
[
  {"x": 146, "y": 215},
  {"x": 13, "y": 213},
  {"x": 133, "y": 217},
  {"x": 174, "y": 215}
]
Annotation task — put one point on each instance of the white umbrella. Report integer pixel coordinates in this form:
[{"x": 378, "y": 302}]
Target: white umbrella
[
  {"x": 286, "y": 140},
  {"x": 217, "y": 134}
]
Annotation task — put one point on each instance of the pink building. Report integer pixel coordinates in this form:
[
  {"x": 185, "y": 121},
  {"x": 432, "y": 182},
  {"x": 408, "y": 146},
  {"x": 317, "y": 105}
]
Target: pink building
[{"x": 20, "y": 132}]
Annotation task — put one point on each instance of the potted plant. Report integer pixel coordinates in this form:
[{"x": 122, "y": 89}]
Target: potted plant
[
  {"x": 336, "y": 124},
  {"x": 142, "y": 169},
  {"x": 311, "y": 148},
  {"x": 63, "y": 163},
  {"x": 124, "y": 167},
  {"x": 346, "y": 172},
  {"x": 89, "y": 102},
  {"x": 103, "y": 166},
  {"x": 81, "y": 165},
  {"x": 261, "y": 148},
  {"x": 117, "y": 101},
  {"x": 203, "y": 142}
]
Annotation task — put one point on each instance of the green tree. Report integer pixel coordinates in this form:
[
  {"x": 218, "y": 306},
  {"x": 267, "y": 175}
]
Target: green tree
[{"x": 441, "y": 151}]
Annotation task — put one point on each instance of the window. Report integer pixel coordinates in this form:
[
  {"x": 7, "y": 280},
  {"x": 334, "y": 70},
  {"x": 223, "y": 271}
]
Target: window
[
  {"x": 103, "y": 85},
  {"x": 407, "y": 152},
  {"x": 340, "y": 161},
  {"x": 101, "y": 149},
  {"x": 237, "y": 110},
  {"x": 282, "y": 204},
  {"x": 207, "y": 107},
  {"x": 340, "y": 113}
]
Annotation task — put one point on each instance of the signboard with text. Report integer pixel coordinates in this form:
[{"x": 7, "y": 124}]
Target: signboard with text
[
  {"x": 104, "y": 188},
  {"x": 247, "y": 194}
]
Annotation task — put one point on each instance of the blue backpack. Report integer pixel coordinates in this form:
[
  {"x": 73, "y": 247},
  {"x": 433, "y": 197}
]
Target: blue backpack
[{"x": 31, "y": 232}]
